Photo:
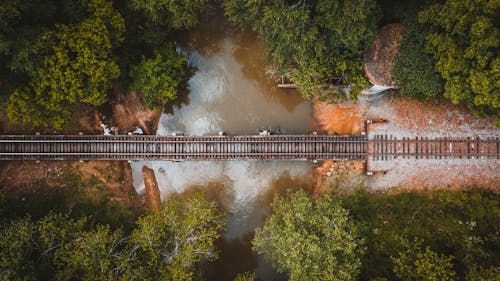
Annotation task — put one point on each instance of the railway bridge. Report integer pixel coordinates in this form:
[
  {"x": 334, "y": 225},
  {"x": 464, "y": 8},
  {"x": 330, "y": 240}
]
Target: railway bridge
[{"x": 185, "y": 148}]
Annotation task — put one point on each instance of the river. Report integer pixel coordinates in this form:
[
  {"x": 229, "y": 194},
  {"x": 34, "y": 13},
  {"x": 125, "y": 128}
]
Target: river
[{"x": 229, "y": 92}]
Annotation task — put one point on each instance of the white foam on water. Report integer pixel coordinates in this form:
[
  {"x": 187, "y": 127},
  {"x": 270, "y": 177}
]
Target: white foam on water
[
  {"x": 107, "y": 131},
  {"x": 217, "y": 103},
  {"x": 247, "y": 180},
  {"x": 217, "y": 80},
  {"x": 138, "y": 131}
]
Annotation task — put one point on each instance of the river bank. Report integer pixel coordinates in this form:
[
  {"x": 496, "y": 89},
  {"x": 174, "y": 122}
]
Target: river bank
[{"x": 97, "y": 188}]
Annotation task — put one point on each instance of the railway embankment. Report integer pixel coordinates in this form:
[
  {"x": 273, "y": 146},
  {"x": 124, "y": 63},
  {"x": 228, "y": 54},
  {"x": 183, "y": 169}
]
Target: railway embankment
[
  {"x": 411, "y": 118},
  {"x": 25, "y": 178}
]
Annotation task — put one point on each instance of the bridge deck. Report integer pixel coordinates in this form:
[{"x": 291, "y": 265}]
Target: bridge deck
[
  {"x": 177, "y": 148},
  {"x": 182, "y": 147}
]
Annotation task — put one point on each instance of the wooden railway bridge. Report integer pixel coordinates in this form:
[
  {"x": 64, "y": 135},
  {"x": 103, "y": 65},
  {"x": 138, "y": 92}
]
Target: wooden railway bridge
[{"x": 183, "y": 148}]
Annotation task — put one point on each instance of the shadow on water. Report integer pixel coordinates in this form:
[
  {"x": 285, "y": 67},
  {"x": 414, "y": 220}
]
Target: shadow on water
[
  {"x": 236, "y": 256},
  {"x": 282, "y": 185},
  {"x": 249, "y": 51},
  {"x": 207, "y": 36},
  {"x": 182, "y": 98},
  {"x": 218, "y": 191}
]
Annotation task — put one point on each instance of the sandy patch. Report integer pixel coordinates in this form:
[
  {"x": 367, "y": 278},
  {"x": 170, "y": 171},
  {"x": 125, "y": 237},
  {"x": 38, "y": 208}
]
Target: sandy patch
[
  {"x": 340, "y": 119},
  {"x": 410, "y": 117}
]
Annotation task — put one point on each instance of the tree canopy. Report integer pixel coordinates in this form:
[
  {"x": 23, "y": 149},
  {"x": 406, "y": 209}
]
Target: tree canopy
[
  {"x": 171, "y": 13},
  {"x": 309, "y": 239},
  {"x": 169, "y": 243},
  {"x": 79, "y": 68},
  {"x": 414, "y": 68},
  {"x": 464, "y": 42},
  {"x": 414, "y": 264},
  {"x": 458, "y": 227},
  {"x": 159, "y": 78},
  {"x": 320, "y": 40},
  {"x": 16, "y": 250},
  {"x": 164, "y": 245}
]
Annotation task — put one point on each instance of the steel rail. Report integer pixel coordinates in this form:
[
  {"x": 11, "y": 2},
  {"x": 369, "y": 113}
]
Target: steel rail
[{"x": 379, "y": 147}]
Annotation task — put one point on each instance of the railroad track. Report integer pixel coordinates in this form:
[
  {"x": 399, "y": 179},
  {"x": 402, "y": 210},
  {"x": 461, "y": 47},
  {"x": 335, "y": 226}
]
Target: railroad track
[
  {"x": 181, "y": 148},
  {"x": 386, "y": 147}
]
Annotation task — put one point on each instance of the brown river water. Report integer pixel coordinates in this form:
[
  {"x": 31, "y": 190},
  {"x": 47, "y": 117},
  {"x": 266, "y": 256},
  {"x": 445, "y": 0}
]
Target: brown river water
[{"x": 229, "y": 92}]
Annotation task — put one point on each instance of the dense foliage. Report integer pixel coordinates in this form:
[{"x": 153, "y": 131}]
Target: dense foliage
[
  {"x": 164, "y": 245},
  {"x": 414, "y": 68},
  {"x": 159, "y": 78},
  {"x": 247, "y": 276},
  {"x": 320, "y": 40},
  {"x": 56, "y": 54},
  {"x": 77, "y": 68},
  {"x": 419, "y": 235},
  {"x": 171, "y": 13},
  {"x": 465, "y": 45},
  {"x": 310, "y": 240},
  {"x": 415, "y": 234},
  {"x": 414, "y": 263}
]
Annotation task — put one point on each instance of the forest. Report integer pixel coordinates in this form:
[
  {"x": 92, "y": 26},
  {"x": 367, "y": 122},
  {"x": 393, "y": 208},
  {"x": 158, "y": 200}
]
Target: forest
[
  {"x": 356, "y": 235},
  {"x": 60, "y": 55}
]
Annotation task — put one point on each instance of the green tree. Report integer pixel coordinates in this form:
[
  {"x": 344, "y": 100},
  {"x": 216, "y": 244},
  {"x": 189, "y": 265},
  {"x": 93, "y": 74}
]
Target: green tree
[
  {"x": 479, "y": 273},
  {"x": 465, "y": 46},
  {"x": 414, "y": 68},
  {"x": 168, "y": 243},
  {"x": 416, "y": 264},
  {"x": 165, "y": 245},
  {"x": 80, "y": 68},
  {"x": 247, "y": 276},
  {"x": 24, "y": 36},
  {"x": 309, "y": 239},
  {"x": 22, "y": 46},
  {"x": 23, "y": 108},
  {"x": 456, "y": 223},
  {"x": 171, "y": 13},
  {"x": 160, "y": 77},
  {"x": 17, "y": 248},
  {"x": 320, "y": 40},
  {"x": 95, "y": 255}
]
